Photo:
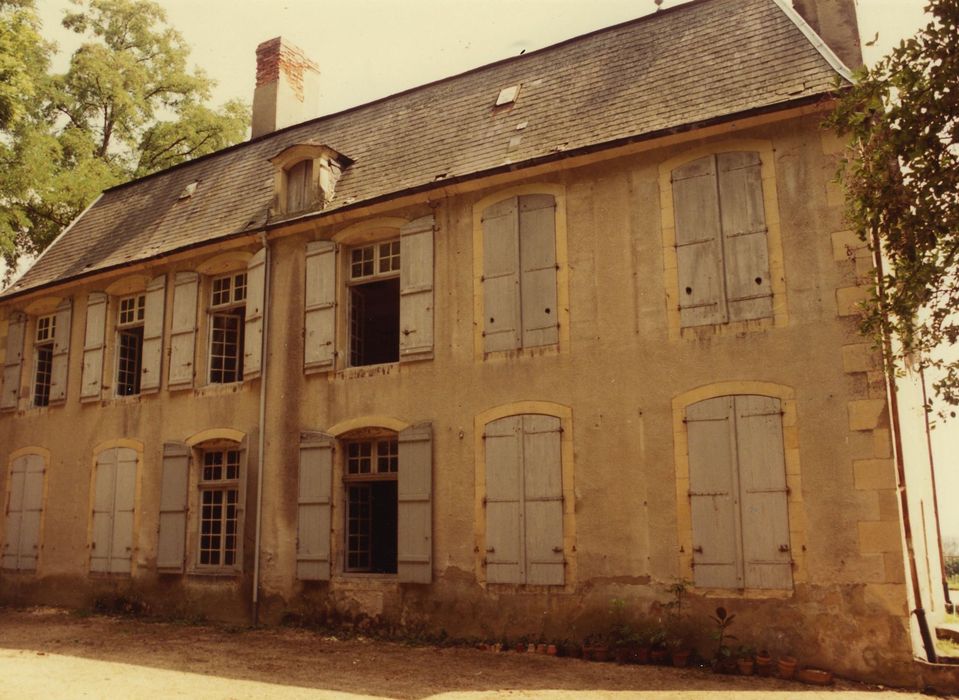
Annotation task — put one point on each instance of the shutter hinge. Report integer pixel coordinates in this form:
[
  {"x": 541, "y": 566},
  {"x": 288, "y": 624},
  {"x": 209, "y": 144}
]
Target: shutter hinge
[{"x": 484, "y": 501}]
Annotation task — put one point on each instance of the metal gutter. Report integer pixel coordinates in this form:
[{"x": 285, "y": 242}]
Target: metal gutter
[
  {"x": 935, "y": 496},
  {"x": 821, "y": 46},
  {"x": 261, "y": 434},
  {"x": 889, "y": 369}
]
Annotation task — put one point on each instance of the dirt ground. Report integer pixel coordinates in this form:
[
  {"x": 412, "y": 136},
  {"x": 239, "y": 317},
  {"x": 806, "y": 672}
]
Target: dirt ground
[{"x": 49, "y": 653}]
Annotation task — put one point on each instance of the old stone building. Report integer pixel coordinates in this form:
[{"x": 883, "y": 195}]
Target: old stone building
[{"x": 484, "y": 355}]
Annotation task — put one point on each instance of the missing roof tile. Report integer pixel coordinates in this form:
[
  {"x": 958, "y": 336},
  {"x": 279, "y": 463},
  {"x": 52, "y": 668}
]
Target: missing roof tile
[{"x": 189, "y": 190}]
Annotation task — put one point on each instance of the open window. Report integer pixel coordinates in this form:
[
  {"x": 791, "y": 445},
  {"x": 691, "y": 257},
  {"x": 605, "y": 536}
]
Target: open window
[
  {"x": 130, "y": 316},
  {"x": 371, "y": 504},
  {"x": 374, "y": 302},
  {"x": 45, "y": 332}
]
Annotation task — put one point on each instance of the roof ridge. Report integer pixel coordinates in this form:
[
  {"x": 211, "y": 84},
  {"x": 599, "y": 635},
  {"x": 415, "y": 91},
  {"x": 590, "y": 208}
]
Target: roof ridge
[{"x": 656, "y": 14}]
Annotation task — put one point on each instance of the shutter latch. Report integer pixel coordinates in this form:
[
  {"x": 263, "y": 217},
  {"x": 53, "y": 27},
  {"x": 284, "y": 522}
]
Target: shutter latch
[
  {"x": 784, "y": 548},
  {"x": 491, "y": 549},
  {"x": 698, "y": 549}
]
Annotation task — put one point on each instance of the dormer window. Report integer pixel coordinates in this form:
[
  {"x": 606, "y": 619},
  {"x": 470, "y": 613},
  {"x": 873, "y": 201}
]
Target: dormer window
[{"x": 305, "y": 178}]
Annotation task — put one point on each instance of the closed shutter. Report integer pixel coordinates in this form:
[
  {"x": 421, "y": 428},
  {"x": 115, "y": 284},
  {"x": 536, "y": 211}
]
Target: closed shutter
[
  {"x": 103, "y": 498},
  {"x": 91, "y": 379},
  {"x": 32, "y": 508},
  {"x": 501, "y": 279},
  {"x": 320, "y": 317},
  {"x": 313, "y": 507},
  {"x": 712, "y": 466},
  {"x": 543, "y": 496},
  {"x": 699, "y": 256},
  {"x": 14, "y": 519},
  {"x": 504, "y": 501},
  {"x": 61, "y": 352},
  {"x": 255, "y": 300},
  {"x": 21, "y": 541},
  {"x": 173, "y": 507},
  {"x": 767, "y": 560},
  {"x": 16, "y": 329},
  {"x": 124, "y": 500},
  {"x": 537, "y": 241},
  {"x": 748, "y": 288},
  {"x": 415, "y": 512},
  {"x": 416, "y": 289},
  {"x": 183, "y": 332},
  {"x": 298, "y": 180},
  {"x": 153, "y": 314}
]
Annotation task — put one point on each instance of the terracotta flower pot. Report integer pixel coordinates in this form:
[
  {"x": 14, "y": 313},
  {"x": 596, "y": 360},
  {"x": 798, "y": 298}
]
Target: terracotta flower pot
[
  {"x": 658, "y": 656},
  {"x": 552, "y": 650},
  {"x": 814, "y": 676},
  {"x": 786, "y": 665},
  {"x": 680, "y": 657},
  {"x": 746, "y": 666},
  {"x": 764, "y": 664},
  {"x": 596, "y": 652},
  {"x": 641, "y": 655}
]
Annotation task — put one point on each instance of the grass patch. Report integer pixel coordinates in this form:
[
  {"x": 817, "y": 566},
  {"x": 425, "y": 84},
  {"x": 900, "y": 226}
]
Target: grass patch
[{"x": 947, "y": 647}]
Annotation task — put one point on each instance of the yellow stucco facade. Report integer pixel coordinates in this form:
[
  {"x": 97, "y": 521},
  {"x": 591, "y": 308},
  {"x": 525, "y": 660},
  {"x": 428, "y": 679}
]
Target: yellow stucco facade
[{"x": 619, "y": 380}]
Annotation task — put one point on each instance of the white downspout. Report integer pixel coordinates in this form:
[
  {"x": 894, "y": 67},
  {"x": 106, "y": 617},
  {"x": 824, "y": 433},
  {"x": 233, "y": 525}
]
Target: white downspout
[{"x": 261, "y": 436}]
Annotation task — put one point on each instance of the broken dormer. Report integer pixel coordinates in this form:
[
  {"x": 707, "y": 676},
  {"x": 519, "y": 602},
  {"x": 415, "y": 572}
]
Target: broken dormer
[{"x": 305, "y": 177}]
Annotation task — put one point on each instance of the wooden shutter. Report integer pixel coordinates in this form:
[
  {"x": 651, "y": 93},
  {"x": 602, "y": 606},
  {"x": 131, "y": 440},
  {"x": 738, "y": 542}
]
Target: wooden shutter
[
  {"x": 767, "y": 560},
  {"x": 21, "y": 542},
  {"x": 416, "y": 289},
  {"x": 124, "y": 502},
  {"x": 712, "y": 467},
  {"x": 103, "y": 510},
  {"x": 16, "y": 330},
  {"x": 415, "y": 513},
  {"x": 153, "y": 313},
  {"x": 14, "y": 516},
  {"x": 501, "y": 279},
  {"x": 699, "y": 256},
  {"x": 319, "y": 346},
  {"x": 313, "y": 507},
  {"x": 61, "y": 352},
  {"x": 745, "y": 248},
  {"x": 173, "y": 507},
  {"x": 183, "y": 332},
  {"x": 298, "y": 181},
  {"x": 543, "y": 500},
  {"x": 255, "y": 301},
  {"x": 537, "y": 243},
  {"x": 504, "y": 501},
  {"x": 91, "y": 379}
]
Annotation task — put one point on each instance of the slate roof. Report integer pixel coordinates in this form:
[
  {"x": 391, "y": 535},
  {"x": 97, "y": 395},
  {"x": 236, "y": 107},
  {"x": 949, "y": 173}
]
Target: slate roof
[{"x": 705, "y": 61}]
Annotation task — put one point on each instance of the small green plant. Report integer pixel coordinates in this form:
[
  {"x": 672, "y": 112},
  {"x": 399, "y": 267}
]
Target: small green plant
[
  {"x": 722, "y": 620},
  {"x": 744, "y": 651}
]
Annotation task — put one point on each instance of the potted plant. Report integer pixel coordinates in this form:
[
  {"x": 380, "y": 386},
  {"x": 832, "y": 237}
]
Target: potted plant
[
  {"x": 723, "y": 662},
  {"x": 744, "y": 660},
  {"x": 679, "y": 641},
  {"x": 658, "y": 651},
  {"x": 786, "y": 665}
]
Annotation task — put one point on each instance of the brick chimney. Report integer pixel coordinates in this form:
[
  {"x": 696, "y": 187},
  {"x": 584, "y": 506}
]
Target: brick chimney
[
  {"x": 835, "y": 21},
  {"x": 287, "y": 87}
]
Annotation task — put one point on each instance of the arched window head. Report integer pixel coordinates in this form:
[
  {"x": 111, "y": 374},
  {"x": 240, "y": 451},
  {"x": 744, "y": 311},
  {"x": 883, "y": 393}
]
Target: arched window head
[{"x": 305, "y": 177}]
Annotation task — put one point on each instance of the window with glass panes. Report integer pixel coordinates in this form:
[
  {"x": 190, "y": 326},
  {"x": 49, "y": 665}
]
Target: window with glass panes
[
  {"x": 43, "y": 350},
  {"x": 371, "y": 497},
  {"x": 227, "y": 316},
  {"x": 219, "y": 486},
  {"x": 374, "y": 291},
  {"x": 130, "y": 315}
]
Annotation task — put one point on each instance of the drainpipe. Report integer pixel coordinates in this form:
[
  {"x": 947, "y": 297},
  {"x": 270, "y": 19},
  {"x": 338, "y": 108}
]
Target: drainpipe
[
  {"x": 935, "y": 497},
  {"x": 261, "y": 435},
  {"x": 889, "y": 370}
]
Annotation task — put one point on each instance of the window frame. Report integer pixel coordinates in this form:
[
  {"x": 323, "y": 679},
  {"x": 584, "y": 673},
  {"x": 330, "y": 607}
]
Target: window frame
[
  {"x": 225, "y": 486},
  {"x": 560, "y": 230},
  {"x": 127, "y": 328},
  {"x": 231, "y": 307},
  {"x": 374, "y": 438},
  {"x": 774, "y": 244},
  {"x": 377, "y": 274},
  {"x": 43, "y": 355}
]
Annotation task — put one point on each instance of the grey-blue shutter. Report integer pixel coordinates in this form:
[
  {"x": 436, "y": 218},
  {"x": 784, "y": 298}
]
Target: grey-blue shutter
[
  {"x": 767, "y": 559},
  {"x": 415, "y": 512},
  {"x": 155, "y": 305},
  {"x": 319, "y": 338},
  {"x": 416, "y": 289},
  {"x": 91, "y": 378},
  {"x": 183, "y": 331},
  {"x": 253, "y": 322},
  {"x": 13, "y": 362},
  {"x": 61, "y": 352},
  {"x": 314, "y": 505},
  {"x": 501, "y": 276},
  {"x": 543, "y": 500},
  {"x": 699, "y": 256},
  {"x": 174, "y": 481},
  {"x": 124, "y": 504},
  {"x": 505, "y": 546},
  {"x": 712, "y": 493},
  {"x": 103, "y": 511},
  {"x": 745, "y": 248},
  {"x": 537, "y": 243}
]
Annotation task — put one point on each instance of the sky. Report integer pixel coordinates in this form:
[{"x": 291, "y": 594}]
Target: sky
[{"x": 368, "y": 49}]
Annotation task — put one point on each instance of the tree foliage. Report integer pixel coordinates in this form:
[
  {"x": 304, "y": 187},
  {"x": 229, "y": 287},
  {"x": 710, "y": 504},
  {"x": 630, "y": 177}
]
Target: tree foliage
[
  {"x": 902, "y": 180},
  {"x": 127, "y": 105}
]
